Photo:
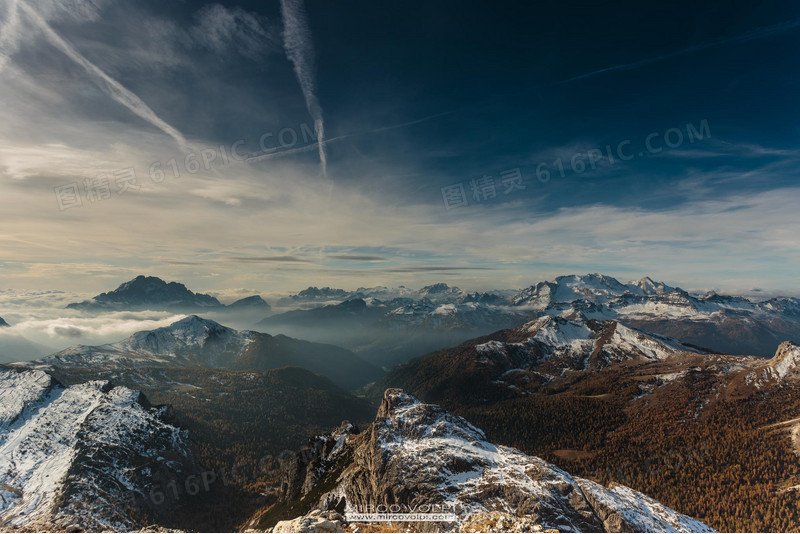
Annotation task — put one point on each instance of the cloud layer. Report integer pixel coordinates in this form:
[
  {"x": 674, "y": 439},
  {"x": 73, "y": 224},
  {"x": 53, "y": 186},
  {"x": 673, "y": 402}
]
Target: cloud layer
[{"x": 88, "y": 97}]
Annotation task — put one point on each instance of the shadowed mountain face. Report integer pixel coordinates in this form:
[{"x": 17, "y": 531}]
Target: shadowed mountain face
[
  {"x": 148, "y": 292},
  {"x": 599, "y": 399},
  {"x": 387, "y": 332},
  {"x": 153, "y": 293},
  {"x": 14, "y": 347},
  {"x": 250, "y": 303},
  {"x": 195, "y": 342},
  {"x": 418, "y": 455}
]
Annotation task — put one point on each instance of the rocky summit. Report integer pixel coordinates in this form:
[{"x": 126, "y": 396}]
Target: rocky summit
[{"x": 417, "y": 457}]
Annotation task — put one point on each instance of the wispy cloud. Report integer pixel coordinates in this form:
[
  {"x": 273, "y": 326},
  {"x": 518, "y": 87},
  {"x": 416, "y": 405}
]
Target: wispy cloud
[
  {"x": 9, "y": 32},
  {"x": 220, "y": 29},
  {"x": 300, "y": 51},
  {"x": 267, "y": 259},
  {"x": 252, "y": 158},
  {"x": 109, "y": 85},
  {"x": 435, "y": 269},
  {"x": 759, "y": 33},
  {"x": 354, "y": 257}
]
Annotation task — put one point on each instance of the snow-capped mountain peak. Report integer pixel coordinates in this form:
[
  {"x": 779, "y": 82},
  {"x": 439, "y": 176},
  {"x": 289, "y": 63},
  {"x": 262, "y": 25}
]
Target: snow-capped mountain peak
[
  {"x": 418, "y": 454},
  {"x": 80, "y": 455},
  {"x": 549, "y": 346},
  {"x": 593, "y": 288},
  {"x": 440, "y": 292},
  {"x": 192, "y": 331},
  {"x": 649, "y": 287},
  {"x": 188, "y": 342}
]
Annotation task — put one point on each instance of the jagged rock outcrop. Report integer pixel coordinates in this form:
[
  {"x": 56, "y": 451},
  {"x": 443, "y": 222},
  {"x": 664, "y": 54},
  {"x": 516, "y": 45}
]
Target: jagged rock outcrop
[
  {"x": 782, "y": 368},
  {"x": 85, "y": 458},
  {"x": 417, "y": 457},
  {"x": 786, "y": 362}
]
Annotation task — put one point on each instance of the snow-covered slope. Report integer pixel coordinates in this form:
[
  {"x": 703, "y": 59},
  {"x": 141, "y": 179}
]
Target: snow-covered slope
[
  {"x": 417, "y": 455},
  {"x": 189, "y": 342},
  {"x": 625, "y": 510},
  {"x": 604, "y": 293},
  {"x": 191, "y": 333},
  {"x": 194, "y": 342},
  {"x": 602, "y": 297},
  {"x": 81, "y": 456},
  {"x": 428, "y": 314},
  {"x": 578, "y": 345},
  {"x": 732, "y": 324},
  {"x": 544, "y": 354}
]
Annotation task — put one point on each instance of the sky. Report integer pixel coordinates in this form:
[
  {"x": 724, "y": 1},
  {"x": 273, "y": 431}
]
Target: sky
[{"x": 268, "y": 146}]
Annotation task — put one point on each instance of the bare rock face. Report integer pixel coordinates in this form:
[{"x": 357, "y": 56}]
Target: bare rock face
[
  {"x": 786, "y": 362},
  {"x": 782, "y": 368},
  {"x": 304, "y": 471},
  {"x": 418, "y": 458}
]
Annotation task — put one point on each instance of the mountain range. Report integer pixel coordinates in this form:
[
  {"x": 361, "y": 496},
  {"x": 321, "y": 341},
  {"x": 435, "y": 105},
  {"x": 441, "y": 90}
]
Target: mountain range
[
  {"x": 389, "y": 332},
  {"x": 194, "y": 342},
  {"x": 240, "y": 395},
  {"x": 387, "y": 326},
  {"x": 732, "y": 324},
  {"x": 614, "y": 404}
]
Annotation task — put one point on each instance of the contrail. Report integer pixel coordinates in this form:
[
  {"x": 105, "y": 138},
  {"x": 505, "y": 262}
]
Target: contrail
[
  {"x": 252, "y": 158},
  {"x": 111, "y": 87},
  {"x": 300, "y": 51},
  {"x": 755, "y": 34}
]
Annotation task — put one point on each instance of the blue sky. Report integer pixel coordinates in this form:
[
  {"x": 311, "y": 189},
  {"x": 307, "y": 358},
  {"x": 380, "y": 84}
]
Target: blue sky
[{"x": 655, "y": 140}]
